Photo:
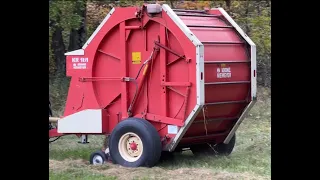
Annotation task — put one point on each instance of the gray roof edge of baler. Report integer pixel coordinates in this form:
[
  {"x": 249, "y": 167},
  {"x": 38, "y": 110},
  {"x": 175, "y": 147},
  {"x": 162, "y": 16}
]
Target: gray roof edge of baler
[
  {"x": 79, "y": 52},
  {"x": 184, "y": 28},
  {"x": 98, "y": 28},
  {"x": 235, "y": 25}
]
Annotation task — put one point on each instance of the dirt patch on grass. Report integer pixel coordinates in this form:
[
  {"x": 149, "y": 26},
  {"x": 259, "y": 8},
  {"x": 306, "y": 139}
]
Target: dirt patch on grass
[{"x": 123, "y": 173}]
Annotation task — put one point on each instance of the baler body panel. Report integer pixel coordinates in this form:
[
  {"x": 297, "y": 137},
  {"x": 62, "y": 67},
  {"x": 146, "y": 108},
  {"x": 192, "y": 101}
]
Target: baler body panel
[
  {"x": 227, "y": 77},
  {"x": 194, "y": 74},
  {"x": 117, "y": 51}
]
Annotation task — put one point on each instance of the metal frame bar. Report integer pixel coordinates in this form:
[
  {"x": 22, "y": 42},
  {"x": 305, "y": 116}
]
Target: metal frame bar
[
  {"x": 90, "y": 79},
  {"x": 174, "y": 61},
  {"x": 231, "y": 82},
  {"x": 164, "y": 119},
  {"x": 163, "y": 69},
  {"x": 225, "y": 102},
  {"x": 237, "y": 124},
  {"x": 123, "y": 65},
  {"x": 207, "y": 26},
  {"x": 198, "y": 15},
  {"x": 215, "y": 119},
  {"x": 222, "y": 42},
  {"x": 108, "y": 54},
  {"x": 168, "y": 49},
  {"x": 225, "y": 62},
  {"x": 187, "y": 10},
  {"x": 176, "y": 84},
  {"x": 206, "y": 136}
]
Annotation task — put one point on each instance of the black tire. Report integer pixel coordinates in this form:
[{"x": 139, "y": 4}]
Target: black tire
[
  {"x": 100, "y": 160},
  {"x": 219, "y": 149},
  {"x": 150, "y": 140}
]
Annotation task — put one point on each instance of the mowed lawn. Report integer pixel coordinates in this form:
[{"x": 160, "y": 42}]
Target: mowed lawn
[{"x": 251, "y": 158}]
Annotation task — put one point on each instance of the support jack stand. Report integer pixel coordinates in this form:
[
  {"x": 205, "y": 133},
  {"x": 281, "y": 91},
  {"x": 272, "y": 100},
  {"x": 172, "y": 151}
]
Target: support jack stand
[{"x": 83, "y": 139}]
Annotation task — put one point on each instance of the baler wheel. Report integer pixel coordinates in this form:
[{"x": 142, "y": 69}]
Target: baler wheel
[
  {"x": 135, "y": 142},
  {"x": 214, "y": 149},
  {"x": 98, "y": 158}
]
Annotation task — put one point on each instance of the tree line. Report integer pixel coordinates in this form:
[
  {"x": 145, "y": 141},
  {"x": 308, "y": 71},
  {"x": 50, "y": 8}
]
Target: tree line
[{"x": 72, "y": 22}]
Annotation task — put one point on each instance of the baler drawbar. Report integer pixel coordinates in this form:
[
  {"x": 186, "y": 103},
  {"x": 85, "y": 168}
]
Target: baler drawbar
[{"x": 157, "y": 80}]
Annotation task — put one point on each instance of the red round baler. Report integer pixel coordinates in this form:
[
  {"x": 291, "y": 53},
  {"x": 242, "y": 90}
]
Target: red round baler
[{"x": 157, "y": 79}]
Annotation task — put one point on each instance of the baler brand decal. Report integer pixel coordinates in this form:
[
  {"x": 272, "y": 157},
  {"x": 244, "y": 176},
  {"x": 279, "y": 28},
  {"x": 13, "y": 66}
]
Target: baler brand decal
[
  {"x": 224, "y": 72},
  {"x": 79, "y": 63}
]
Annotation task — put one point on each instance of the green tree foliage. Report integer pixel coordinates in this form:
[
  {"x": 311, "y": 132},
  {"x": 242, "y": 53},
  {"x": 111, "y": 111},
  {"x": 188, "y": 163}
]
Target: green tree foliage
[
  {"x": 253, "y": 16},
  {"x": 62, "y": 16},
  {"x": 96, "y": 12}
]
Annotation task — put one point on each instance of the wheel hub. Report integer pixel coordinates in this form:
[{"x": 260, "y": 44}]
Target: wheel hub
[
  {"x": 97, "y": 160},
  {"x": 133, "y": 146},
  {"x": 130, "y": 147}
]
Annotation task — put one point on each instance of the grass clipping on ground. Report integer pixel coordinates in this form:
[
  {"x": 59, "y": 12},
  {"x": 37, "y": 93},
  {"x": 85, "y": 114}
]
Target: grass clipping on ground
[{"x": 251, "y": 158}]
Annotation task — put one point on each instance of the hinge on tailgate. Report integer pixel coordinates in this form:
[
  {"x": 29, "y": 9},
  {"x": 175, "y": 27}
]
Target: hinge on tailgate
[{"x": 127, "y": 79}]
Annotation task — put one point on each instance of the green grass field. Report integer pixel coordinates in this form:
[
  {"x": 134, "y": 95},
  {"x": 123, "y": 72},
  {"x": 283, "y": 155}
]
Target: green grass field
[{"x": 251, "y": 158}]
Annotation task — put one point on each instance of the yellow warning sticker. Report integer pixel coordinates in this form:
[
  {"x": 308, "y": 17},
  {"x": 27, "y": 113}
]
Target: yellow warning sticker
[{"x": 136, "y": 57}]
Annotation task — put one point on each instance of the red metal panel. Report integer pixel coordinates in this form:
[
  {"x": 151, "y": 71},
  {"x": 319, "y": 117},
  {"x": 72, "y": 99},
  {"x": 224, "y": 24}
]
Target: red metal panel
[
  {"x": 163, "y": 69},
  {"x": 123, "y": 67},
  {"x": 117, "y": 51},
  {"x": 54, "y": 133}
]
